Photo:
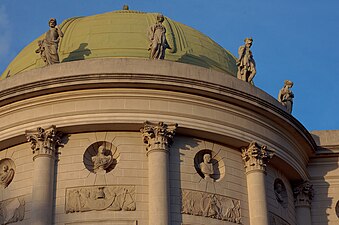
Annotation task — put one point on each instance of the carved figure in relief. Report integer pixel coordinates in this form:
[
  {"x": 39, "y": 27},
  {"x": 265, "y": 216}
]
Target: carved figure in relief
[
  {"x": 102, "y": 160},
  {"x": 6, "y": 176},
  {"x": 285, "y": 96},
  {"x": 100, "y": 198},
  {"x": 206, "y": 167},
  {"x": 245, "y": 62},
  {"x": 157, "y": 37},
  {"x": 211, "y": 205},
  {"x": 48, "y": 47},
  {"x": 12, "y": 210},
  {"x": 280, "y": 192}
]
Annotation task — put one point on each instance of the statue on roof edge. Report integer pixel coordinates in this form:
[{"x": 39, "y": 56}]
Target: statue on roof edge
[
  {"x": 157, "y": 37},
  {"x": 285, "y": 96},
  {"x": 245, "y": 62},
  {"x": 48, "y": 47}
]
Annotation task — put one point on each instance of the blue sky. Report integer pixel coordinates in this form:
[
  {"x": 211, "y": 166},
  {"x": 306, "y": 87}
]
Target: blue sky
[{"x": 293, "y": 40}]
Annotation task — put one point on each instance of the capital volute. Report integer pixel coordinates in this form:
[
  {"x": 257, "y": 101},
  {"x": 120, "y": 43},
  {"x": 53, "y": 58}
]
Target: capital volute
[
  {"x": 158, "y": 136},
  {"x": 303, "y": 194},
  {"x": 256, "y": 157},
  {"x": 44, "y": 141}
]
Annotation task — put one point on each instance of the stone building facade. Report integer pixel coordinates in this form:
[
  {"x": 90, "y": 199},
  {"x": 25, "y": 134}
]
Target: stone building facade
[{"x": 110, "y": 137}]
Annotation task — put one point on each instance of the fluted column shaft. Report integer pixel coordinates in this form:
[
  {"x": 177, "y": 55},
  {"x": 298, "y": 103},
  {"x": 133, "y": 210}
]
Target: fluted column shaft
[
  {"x": 303, "y": 194},
  {"x": 255, "y": 159},
  {"x": 158, "y": 138},
  {"x": 44, "y": 143}
]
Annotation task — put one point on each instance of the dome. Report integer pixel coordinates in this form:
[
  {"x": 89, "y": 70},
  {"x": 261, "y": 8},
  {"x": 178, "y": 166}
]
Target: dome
[{"x": 123, "y": 34}]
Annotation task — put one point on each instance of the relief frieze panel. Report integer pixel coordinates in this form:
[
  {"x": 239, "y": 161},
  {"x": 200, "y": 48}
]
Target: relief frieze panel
[
  {"x": 210, "y": 205},
  {"x": 12, "y": 210},
  {"x": 277, "y": 220},
  {"x": 97, "y": 198}
]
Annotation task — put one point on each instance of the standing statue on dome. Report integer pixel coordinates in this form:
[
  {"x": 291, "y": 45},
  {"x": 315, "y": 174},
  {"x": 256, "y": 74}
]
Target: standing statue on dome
[
  {"x": 286, "y": 96},
  {"x": 157, "y": 37},
  {"x": 245, "y": 62},
  {"x": 48, "y": 47}
]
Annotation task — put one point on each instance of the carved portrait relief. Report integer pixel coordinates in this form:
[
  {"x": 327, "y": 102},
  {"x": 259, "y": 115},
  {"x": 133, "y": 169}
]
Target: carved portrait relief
[
  {"x": 209, "y": 166},
  {"x": 280, "y": 192},
  {"x": 7, "y": 170},
  {"x": 97, "y": 198},
  {"x": 101, "y": 157}
]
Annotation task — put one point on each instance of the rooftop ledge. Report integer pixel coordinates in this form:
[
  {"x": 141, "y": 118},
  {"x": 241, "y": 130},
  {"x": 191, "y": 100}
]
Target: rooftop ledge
[{"x": 147, "y": 74}]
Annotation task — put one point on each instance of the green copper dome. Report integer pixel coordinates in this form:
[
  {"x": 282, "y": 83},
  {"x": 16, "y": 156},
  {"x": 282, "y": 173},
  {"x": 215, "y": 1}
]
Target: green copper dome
[{"x": 123, "y": 34}]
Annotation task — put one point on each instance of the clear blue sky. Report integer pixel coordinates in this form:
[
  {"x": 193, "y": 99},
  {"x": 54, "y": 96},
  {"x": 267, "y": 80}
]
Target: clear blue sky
[{"x": 293, "y": 40}]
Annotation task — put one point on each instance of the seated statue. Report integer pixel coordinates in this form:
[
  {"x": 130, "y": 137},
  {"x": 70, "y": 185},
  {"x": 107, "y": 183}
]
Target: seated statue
[
  {"x": 206, "y": 167},
  {"x": 6, "y": 176},
  {"x": 285, "y": 96},
  {"x": 101, "y": 161}
]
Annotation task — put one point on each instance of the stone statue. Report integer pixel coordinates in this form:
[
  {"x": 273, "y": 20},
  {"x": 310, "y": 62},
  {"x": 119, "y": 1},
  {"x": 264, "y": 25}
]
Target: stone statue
[
  {"x": 245, "y": 62},
  {"x": 6, "y": 176},
  {"x": 102, "y": 160},
  {"x": 206, "y": 167},
  {"x": 48, "y": 47},
  {"x": 286, "y": 96},
  {"x": 157, "y": 37}
]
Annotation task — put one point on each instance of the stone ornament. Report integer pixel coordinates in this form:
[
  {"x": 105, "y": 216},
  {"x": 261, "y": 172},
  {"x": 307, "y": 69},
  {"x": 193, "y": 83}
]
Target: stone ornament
[
  {"x": 98, "y": 198},
  {"x": 337, "y": 209},
  {"x": 245, "y": 62},
  {"x": 256, "y": 157},
  {"x": 101, "y": 157},
  {"x": 280, "y": 192},
  {"x": 277, "y": 220},
  {"x": 158, "y": 136},
  {"x": 48, "y": 47},
  {"x": 210, "y": 205},
  {"x": 44, "y": 141},
  {"x": 303, "y": 194},
  {"x": 12, "y": 210},
  {"x": 285, "y": 96},
  {"x": 209, "y": 166},
  {"x": 7, "y": 171},
  {"x": 157, "y": 38}
]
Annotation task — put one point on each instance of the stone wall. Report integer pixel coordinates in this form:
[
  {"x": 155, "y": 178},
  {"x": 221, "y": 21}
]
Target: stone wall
[
  {"x": 280, "y": 201},
  {"x": 16, "y": 197},
  {"x": 130, "y": 173},
  {"x": 227, "y": 188}
]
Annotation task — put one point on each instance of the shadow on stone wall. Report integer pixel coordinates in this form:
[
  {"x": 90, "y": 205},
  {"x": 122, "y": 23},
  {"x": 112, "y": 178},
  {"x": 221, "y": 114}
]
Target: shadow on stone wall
[
  {"x": 323, "y": 204},
  {"x": 78, "y": 54},
  {"x": 180, "y": 146}
]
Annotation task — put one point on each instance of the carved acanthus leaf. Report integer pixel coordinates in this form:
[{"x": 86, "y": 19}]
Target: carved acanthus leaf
[{"x": 158, "y": 136}]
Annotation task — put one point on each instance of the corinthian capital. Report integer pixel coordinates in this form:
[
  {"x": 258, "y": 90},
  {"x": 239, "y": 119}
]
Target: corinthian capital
[
  {"x": 44, "y": 141},
  {"x": 158, "y": 136},
  {"x": 303, "y": 194},
  {"x": 256, "y": 157}
]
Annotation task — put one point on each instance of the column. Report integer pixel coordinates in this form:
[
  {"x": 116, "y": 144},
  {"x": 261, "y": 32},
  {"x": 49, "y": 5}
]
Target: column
[
  {"x": 44, "y": 143},
  {"x": 255, "y": 158},
  {"x": 303, "y": 194},
  {"x": 158, "y": 138}
]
